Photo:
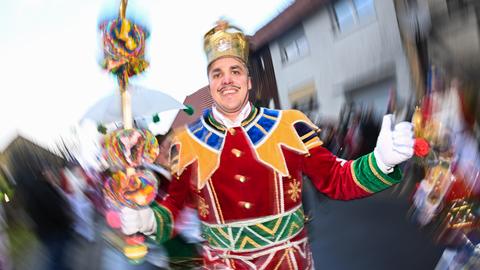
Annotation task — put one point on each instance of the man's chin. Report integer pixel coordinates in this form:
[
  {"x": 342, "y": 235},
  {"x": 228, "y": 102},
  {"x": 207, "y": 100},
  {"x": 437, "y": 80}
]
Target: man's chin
[{"x": 230, "y": 109}]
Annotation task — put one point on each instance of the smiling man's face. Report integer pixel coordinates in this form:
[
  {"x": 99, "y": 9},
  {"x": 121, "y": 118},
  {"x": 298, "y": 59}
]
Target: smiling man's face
[{"x": 229, "y": 85}]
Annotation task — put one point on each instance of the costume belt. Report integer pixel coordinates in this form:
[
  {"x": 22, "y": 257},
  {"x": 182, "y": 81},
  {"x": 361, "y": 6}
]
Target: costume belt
[{"x": 254, "y": 234}]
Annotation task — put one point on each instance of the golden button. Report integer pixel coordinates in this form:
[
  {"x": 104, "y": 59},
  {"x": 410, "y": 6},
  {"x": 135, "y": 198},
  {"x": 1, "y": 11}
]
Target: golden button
[
  {"x": 232, "y": 131},
  {"x": 240, "y": 178},
  {"x": 236, "y": 152},
  {"x": 245, "y": 205}
]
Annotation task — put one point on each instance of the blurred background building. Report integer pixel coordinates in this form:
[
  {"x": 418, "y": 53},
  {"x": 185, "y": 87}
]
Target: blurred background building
[
  {"x": 327, "y": 53},
  {"x": 317, "y": 55}
]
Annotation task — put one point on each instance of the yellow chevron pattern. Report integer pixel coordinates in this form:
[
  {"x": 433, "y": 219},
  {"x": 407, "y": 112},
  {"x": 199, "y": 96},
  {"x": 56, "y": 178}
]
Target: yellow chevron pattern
[
  {"x": 257, "y": 235},
  {"x": 247, "y": 240},
  {"x": 293, "y": 228},
  {"x": 273, "y": 230}
]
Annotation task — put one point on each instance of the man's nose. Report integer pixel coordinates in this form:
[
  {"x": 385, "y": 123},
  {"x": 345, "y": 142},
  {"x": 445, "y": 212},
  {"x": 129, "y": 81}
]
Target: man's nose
[{"x": 227, "y": 79}]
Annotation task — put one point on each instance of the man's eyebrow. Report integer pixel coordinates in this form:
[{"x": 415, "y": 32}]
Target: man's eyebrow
[
  {"x": 236, "y": 67},
  {"x": 215, "y": 70}
]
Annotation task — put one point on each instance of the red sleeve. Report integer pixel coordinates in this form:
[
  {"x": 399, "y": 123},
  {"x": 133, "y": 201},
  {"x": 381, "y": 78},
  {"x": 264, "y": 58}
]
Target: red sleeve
[
  {"x": 331, "y": 175},
  {"x": 337, "y": 178}
]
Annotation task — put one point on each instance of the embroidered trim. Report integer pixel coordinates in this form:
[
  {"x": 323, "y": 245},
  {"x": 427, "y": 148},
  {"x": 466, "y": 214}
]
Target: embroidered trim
[
  {"x": 202, "y": 135},
  {"x": 279, "y": 263},
  {"x": 313, "y": 144},
  {"x": 264, "y": 252},
  {"x": 270, "y": 117},
  {"x": 368, "y": 174},
  {"x": 208, "y": 137},
  {"x": 212, "y": 121},
  {"x": 220, "y": 127},
  {"x": 307, "y": 135},
  {"x": 276, "y": 185},
  {"x": 355, "y": 179},
  {"x": 266, "y": 262},
  {"x": 261, "y": 233},
  {"x": 282, "y": 192},
  {"x": 197, "y": 130},
  {"x": 215, "y": 200},
  {"x": 376, "y": 173},
  {"x": 250, "y": 116},
  {"x": 221, "y": 134},
  {"x": 292, "y": 262},
  {"x": 261, "y": 129}
]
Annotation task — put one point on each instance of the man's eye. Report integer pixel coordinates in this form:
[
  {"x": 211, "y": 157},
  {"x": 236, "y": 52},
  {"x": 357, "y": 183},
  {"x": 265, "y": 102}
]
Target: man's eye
[
  {"x": 215, "y": 76},
  {"x": 236, "y": 72}
]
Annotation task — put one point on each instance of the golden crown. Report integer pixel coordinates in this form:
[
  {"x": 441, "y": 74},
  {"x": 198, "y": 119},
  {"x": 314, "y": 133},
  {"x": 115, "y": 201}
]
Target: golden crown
[{"x": 225, "y": 40}]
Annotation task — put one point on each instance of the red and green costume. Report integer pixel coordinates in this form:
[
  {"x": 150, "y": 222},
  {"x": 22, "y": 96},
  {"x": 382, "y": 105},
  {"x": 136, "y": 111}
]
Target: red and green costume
[{"x": 246, "y": 183}]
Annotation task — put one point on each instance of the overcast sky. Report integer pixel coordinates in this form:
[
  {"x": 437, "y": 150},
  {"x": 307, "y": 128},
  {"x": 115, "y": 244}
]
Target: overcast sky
[{"x": 51, "y": 48}]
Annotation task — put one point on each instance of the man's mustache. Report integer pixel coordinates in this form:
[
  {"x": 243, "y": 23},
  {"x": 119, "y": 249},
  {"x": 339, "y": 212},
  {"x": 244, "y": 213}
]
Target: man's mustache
[{"x": 228, "y": 86}]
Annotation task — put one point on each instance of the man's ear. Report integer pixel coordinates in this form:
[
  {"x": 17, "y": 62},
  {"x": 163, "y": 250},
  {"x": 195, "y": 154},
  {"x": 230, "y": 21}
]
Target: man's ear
[{"x": 249, "y": 83}]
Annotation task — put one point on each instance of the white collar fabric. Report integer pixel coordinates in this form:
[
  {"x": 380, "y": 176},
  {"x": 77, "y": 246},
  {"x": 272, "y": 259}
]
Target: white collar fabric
[{"x": 231, "y": 123}]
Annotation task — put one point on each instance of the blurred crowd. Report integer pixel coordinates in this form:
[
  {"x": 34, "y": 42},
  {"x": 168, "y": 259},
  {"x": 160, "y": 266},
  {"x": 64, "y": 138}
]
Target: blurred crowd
[
  {"x": 448, "y": 191},
  {"x": 355, "y": 132},
  {"x": 58, "y": 218}
]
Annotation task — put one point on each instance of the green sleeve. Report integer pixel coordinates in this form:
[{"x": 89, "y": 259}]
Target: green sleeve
[{"x": 367, "y": 174}]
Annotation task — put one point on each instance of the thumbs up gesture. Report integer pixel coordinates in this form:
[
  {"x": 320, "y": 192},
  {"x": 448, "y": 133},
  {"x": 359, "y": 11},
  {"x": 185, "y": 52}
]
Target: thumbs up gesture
[{"x": 394, "y": 146}]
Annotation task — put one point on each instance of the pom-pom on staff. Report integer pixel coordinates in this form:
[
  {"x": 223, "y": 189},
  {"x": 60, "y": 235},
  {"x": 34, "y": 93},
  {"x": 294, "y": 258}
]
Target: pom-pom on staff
[{"x": 124, "y": 55}]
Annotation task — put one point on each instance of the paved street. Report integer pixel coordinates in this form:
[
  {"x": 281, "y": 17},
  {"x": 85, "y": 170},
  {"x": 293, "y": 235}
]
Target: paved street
[{"x": 371, "y": 233}]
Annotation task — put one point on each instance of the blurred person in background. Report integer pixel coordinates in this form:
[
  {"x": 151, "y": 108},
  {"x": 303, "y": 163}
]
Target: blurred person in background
[
  {"x": 369, "y": 130},
  {"x": 4, "y": 242},
  {"x": 83, "y": 248},
  {"x": 51, "y": 213},
  {"x": 243, "y": 167}
]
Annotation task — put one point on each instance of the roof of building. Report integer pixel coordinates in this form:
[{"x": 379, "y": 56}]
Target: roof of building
[
  {"x": 199, "y": 100},
  {"x": 287, "y": 19}
]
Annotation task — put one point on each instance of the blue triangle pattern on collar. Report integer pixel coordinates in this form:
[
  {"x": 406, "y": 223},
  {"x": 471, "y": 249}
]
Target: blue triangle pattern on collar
[
  {"x": 206, "y": 134},
  {"x": 260, "y": 127}
]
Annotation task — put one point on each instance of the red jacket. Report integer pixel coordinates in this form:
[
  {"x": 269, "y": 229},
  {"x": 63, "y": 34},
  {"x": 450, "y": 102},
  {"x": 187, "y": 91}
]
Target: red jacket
[{"x": 247, "y": 184}]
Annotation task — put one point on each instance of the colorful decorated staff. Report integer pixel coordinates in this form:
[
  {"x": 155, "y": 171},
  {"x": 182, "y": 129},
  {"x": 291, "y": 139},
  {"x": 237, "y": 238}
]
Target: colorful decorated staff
[{"x": 127, "y": 149}]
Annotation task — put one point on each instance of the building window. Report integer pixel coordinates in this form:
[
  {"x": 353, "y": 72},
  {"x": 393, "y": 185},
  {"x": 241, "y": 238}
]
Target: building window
[
  {"x": 365, "y": 9},
  {"x": 349, "y": 13},
  {"x": 304, "y": 98},
  {"x": 294, "y": 45}
]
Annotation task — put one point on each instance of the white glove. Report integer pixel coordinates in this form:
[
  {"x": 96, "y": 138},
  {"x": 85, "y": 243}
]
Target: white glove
[
  {"x": 393, "y": 146},
  {"x": 142, "y": 220}
]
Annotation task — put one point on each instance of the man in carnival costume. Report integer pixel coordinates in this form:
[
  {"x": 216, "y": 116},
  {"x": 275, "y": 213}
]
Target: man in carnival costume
[{"x": 243, "y": 167}]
